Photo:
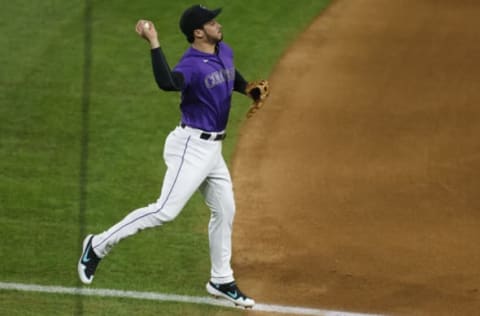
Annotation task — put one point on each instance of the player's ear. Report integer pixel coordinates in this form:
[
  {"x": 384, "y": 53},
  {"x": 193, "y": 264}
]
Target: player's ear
[{"x": 198, "y": 33}]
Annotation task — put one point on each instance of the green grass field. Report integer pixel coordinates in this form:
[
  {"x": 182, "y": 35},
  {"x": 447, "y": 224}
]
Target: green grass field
[{"x": 42, "y": 94}]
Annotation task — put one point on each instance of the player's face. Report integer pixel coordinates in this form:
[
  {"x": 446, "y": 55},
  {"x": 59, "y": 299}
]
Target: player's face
[{"x": 213, "y": 31}]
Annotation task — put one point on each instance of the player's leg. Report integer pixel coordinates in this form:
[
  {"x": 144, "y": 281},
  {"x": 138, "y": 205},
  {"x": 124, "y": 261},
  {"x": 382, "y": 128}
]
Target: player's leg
[
  {"x": 187, "y": 167},
  {"x": 219, "y": 197},
  {"x": 182, "y": 178}
]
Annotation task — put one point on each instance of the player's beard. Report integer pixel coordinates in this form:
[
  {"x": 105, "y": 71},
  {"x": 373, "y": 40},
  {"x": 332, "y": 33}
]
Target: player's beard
[{"x": 213, "y": 39}]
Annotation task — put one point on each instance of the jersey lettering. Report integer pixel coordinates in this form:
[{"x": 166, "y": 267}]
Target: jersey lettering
[{"x": 218, "y": 77}]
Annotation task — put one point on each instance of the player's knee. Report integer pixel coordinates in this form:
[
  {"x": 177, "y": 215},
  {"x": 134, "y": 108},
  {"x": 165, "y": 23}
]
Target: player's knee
[
  {"x": 226, "y": 213},
  {"x": 166, "y": 216},
  {"x": 163, "y": 214}
]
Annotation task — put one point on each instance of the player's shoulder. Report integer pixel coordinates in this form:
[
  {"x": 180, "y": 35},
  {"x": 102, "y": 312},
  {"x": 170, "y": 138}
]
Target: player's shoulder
[
  {"x": 225, "y": 48},
  {"x": 187, "y": 58}
]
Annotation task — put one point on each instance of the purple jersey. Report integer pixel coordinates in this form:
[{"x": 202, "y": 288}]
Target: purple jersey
[{"x": 208, "y": 87}]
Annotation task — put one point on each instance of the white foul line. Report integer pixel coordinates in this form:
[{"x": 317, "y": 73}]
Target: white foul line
[{"x": 291, "y": 310}]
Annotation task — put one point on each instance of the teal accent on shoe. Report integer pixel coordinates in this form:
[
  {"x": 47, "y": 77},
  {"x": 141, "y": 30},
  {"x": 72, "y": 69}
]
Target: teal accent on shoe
[
  {"x": 233, "y": 294},
  {"x": 85, "y": 256}
]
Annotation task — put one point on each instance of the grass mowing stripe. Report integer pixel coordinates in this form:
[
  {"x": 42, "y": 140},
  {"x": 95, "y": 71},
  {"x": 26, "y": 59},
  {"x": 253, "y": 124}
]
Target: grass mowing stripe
[
  {"x": 85, "y": 116},
  {"x": 87, "y": 20},
  {"x": 290, "y": 310}
]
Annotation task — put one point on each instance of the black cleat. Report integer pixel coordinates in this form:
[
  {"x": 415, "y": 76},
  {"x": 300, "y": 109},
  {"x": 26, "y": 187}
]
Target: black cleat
[
  {"x": 88, "y": 261},
  {"x": 231, "y": 292}
]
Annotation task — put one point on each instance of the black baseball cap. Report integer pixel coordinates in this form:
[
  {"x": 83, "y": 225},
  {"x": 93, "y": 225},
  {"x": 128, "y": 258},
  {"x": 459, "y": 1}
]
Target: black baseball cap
[{"x": 194, "y": 18}]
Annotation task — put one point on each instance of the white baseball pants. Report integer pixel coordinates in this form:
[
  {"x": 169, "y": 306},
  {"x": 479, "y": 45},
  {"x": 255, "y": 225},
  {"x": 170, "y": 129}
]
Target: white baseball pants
[{"x": 192, "y": 163}]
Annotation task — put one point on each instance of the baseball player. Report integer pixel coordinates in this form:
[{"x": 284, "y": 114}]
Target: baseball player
[{"x": 206, "y": 77}]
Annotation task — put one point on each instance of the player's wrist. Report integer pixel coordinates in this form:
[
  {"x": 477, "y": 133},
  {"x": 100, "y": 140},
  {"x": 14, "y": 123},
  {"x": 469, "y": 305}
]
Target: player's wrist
[{"x": 154, "y": 43}]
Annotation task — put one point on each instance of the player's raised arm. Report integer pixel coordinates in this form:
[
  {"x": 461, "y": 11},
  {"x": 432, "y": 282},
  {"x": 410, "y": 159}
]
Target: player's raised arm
[{"x": 165, "y": 78}]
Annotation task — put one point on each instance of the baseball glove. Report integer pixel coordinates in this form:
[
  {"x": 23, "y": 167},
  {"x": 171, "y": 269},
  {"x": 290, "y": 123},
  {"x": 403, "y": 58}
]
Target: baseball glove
[{"x": 258, "y": 91}]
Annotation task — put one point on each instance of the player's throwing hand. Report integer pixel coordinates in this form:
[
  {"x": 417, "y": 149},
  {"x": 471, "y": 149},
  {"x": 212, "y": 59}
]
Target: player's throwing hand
[{"x": 146, "y": 29}]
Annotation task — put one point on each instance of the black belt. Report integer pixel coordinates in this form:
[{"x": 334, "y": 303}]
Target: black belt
[{"x": 207, "y": 136}]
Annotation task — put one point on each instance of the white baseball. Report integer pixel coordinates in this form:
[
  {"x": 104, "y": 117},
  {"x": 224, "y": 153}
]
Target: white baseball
[{"x": 146, "y": 25}]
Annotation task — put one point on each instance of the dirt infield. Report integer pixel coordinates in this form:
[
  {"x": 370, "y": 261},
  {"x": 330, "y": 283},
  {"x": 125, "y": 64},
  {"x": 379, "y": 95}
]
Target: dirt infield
[{"x": 358, "y": 183}]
